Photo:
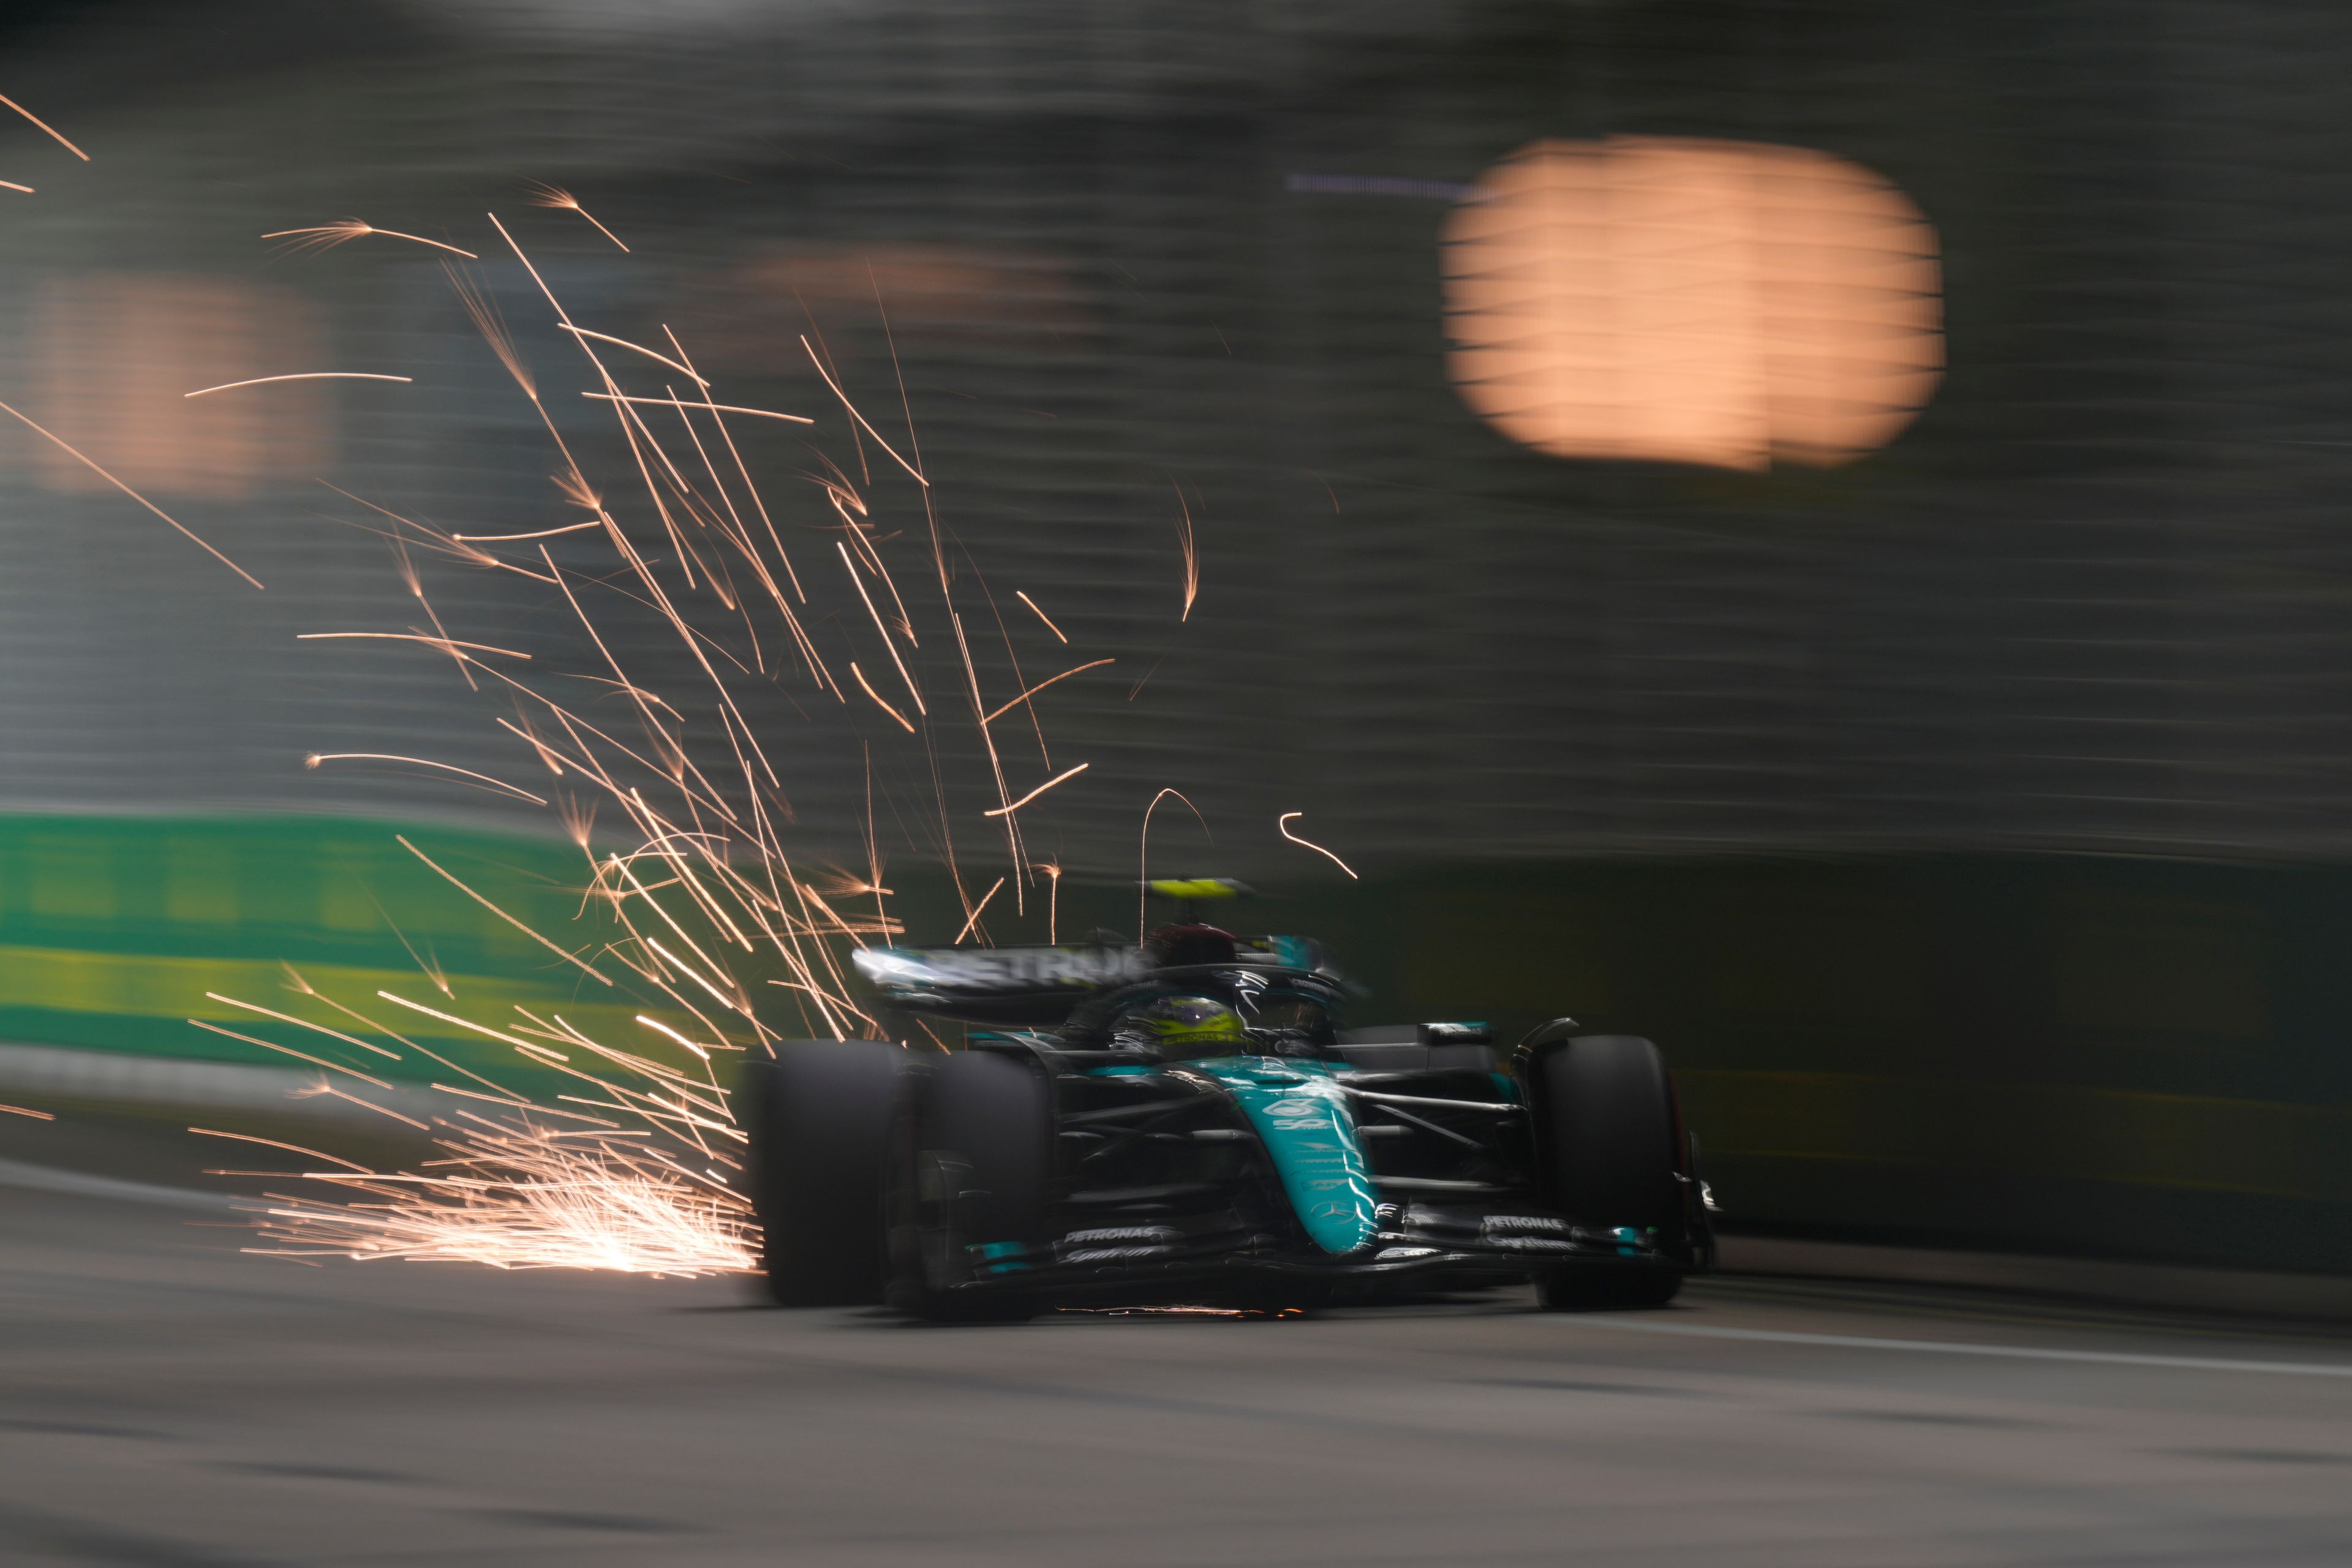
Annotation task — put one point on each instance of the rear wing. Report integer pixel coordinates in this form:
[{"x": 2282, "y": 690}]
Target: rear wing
[
  {"x": 1038, "y": 985},
  {"x": 996, "y": 985}
]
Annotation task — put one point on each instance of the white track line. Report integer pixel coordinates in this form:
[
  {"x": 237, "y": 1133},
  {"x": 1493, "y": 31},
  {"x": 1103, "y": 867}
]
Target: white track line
[
  {"x": 1953, "y": 1347},
  {"x": 49, "y": 1179}
]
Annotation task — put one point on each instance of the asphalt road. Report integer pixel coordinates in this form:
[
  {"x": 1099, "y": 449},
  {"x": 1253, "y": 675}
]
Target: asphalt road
[{"x": 167, "y": 1402}]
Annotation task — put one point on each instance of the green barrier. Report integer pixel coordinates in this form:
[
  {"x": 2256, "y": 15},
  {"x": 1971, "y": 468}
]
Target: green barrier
[
  {"x": 2124, "y": 1056},
  {"x": 113, "y": 931}
]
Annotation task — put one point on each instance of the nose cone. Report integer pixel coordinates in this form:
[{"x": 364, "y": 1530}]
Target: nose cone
[{"x": 1303, "y": 1119}]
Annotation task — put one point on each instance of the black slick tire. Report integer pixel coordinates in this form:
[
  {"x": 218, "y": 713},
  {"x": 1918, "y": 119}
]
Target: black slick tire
[
  {"x": 1608, "y": 1134},
  {"x": 973, "y": 1168},
  {"x": 819, "y": 1116}
]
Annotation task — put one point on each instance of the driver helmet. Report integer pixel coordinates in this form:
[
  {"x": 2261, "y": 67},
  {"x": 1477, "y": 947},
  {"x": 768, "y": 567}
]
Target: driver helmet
[{"x": 1184, "y": 1024}]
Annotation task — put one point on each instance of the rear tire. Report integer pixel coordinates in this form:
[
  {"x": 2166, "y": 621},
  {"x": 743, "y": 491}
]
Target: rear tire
[
  {"x": 973, "y": 1167},
  {"x": 1607, "y": 1134},
  {"x": 819, "y": 1116}
]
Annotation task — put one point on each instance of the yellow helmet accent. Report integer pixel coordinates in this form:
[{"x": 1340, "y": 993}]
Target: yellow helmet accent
[{"x": 1190, "y": 1021}]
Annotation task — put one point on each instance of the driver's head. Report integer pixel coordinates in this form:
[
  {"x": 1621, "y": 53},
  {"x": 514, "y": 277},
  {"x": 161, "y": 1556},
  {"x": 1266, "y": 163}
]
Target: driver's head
[{"x": 1183, "y": 1026}]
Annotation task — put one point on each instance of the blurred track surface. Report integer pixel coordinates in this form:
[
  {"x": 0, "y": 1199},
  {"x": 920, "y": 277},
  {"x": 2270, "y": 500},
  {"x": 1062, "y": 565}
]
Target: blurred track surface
[{"x": 165, "y": 1402}]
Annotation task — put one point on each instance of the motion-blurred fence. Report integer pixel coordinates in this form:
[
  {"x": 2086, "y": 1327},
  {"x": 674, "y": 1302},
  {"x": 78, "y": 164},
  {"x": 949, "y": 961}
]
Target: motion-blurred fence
[{"x": 1577, "y": 718}]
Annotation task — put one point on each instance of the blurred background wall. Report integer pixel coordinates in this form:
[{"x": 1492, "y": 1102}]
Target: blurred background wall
[{"x": 1806, "y": 530}]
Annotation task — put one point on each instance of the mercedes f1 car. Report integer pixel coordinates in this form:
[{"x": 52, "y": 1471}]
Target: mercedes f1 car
[{"x": 1183, "y": 1123}]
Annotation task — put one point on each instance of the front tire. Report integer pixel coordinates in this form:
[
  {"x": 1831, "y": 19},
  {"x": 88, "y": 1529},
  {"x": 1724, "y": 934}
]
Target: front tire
[
  {"x": 819, "y": 1118},
  {"x": 971, "y": 1178},
  {"x": 1608, "y": 1135}
]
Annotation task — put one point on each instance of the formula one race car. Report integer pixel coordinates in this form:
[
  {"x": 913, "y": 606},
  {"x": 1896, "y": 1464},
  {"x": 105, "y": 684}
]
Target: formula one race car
[{"x": 1182, "y": 1124}]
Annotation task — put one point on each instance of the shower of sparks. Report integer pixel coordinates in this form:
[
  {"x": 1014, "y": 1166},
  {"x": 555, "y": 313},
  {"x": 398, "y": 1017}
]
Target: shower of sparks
[
  {"x": 561, "y": 200},
  {"x": 1282, "y": 825},
  {"x": 301, "y": 375},
  {"x": 527, "y": 1196},
  {"x": 44, "y": 125},
  {"x": 342, "y": 231},
  {"x": 586, "y": 1149}
]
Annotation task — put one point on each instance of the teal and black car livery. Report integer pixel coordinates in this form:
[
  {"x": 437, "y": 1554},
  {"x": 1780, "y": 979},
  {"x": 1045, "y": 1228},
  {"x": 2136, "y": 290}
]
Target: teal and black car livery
[{"x": 1254, "y": 1156}]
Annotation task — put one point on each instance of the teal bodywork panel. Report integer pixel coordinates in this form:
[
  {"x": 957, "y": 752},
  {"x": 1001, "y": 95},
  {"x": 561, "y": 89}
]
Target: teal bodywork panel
[{"x": 1302, "y": 1117}]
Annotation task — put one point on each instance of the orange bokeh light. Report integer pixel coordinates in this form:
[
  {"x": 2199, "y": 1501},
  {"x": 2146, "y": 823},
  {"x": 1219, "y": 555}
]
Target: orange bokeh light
[
  {"x": 1725, "y": 304},
  {"x": 119, "y": 352}
]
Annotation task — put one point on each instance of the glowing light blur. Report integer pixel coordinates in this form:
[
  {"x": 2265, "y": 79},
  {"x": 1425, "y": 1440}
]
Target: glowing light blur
[
  {"x": 1724, "y": 303},
  {"x": 118, "y": 353}
]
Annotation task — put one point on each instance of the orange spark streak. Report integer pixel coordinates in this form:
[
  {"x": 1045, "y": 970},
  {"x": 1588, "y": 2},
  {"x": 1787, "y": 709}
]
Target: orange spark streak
[
  {"x": 438, "y": 541},
  {"x": 1144, "y": 852},
  {"x": 481, "y": 308},
  {"x": 975, "y": 911},
  {"x": 542, "y": 533},
  {"x": 453, "y": 1019},
  {"x": 1191, "y": 555},
  {"x": 274, "y": 1144},
  {"x": 1040, "y": 686},
  {"x": 126, "y": 490},
  {"x": 1282, "y": 825},
  {"x": 1041, "y": 789},
  {"x": 303, "y": 375},
  {"x": 416, "y": 590},
  {"x": 568, "y": 958},
  {"x": 329, "y": 1088},
  {"x": 28, "y": 191},
  {"x": 674, "y": 962},
  {"x": 857, "y": 530},
  {"x": 886, "y": 708},
  {"x": 996, "y": 763},
  {"x": 556, "y": 196},
  {"x": 1041, "y": 615},
  {"x": 713, "y": 407},
  {"x": 1133, "y": 690},
  {"x": 790, "y": 575},
  {"x": 889, "y": 646},
  {"x": 290, "y": 1051},
  {"x": 852, "y": 409},
  {"x": 636, "y": 348},
  {"x": 659, "y": 1027},
  {"x": 45, "y": 126},
  {"x": 315, "y": 758},
  {"x": 300, "y": 1023},
  {"x": 623, "y": 867},
  {"x": 328, "y": 236},
  {"x": 444, "y": 643},
  {"x": 36, "y": 1115}
]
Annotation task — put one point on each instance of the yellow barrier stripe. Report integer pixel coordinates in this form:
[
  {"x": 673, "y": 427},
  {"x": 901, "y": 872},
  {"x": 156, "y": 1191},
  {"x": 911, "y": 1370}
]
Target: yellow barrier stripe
[{"x": 160, "y": 985}]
